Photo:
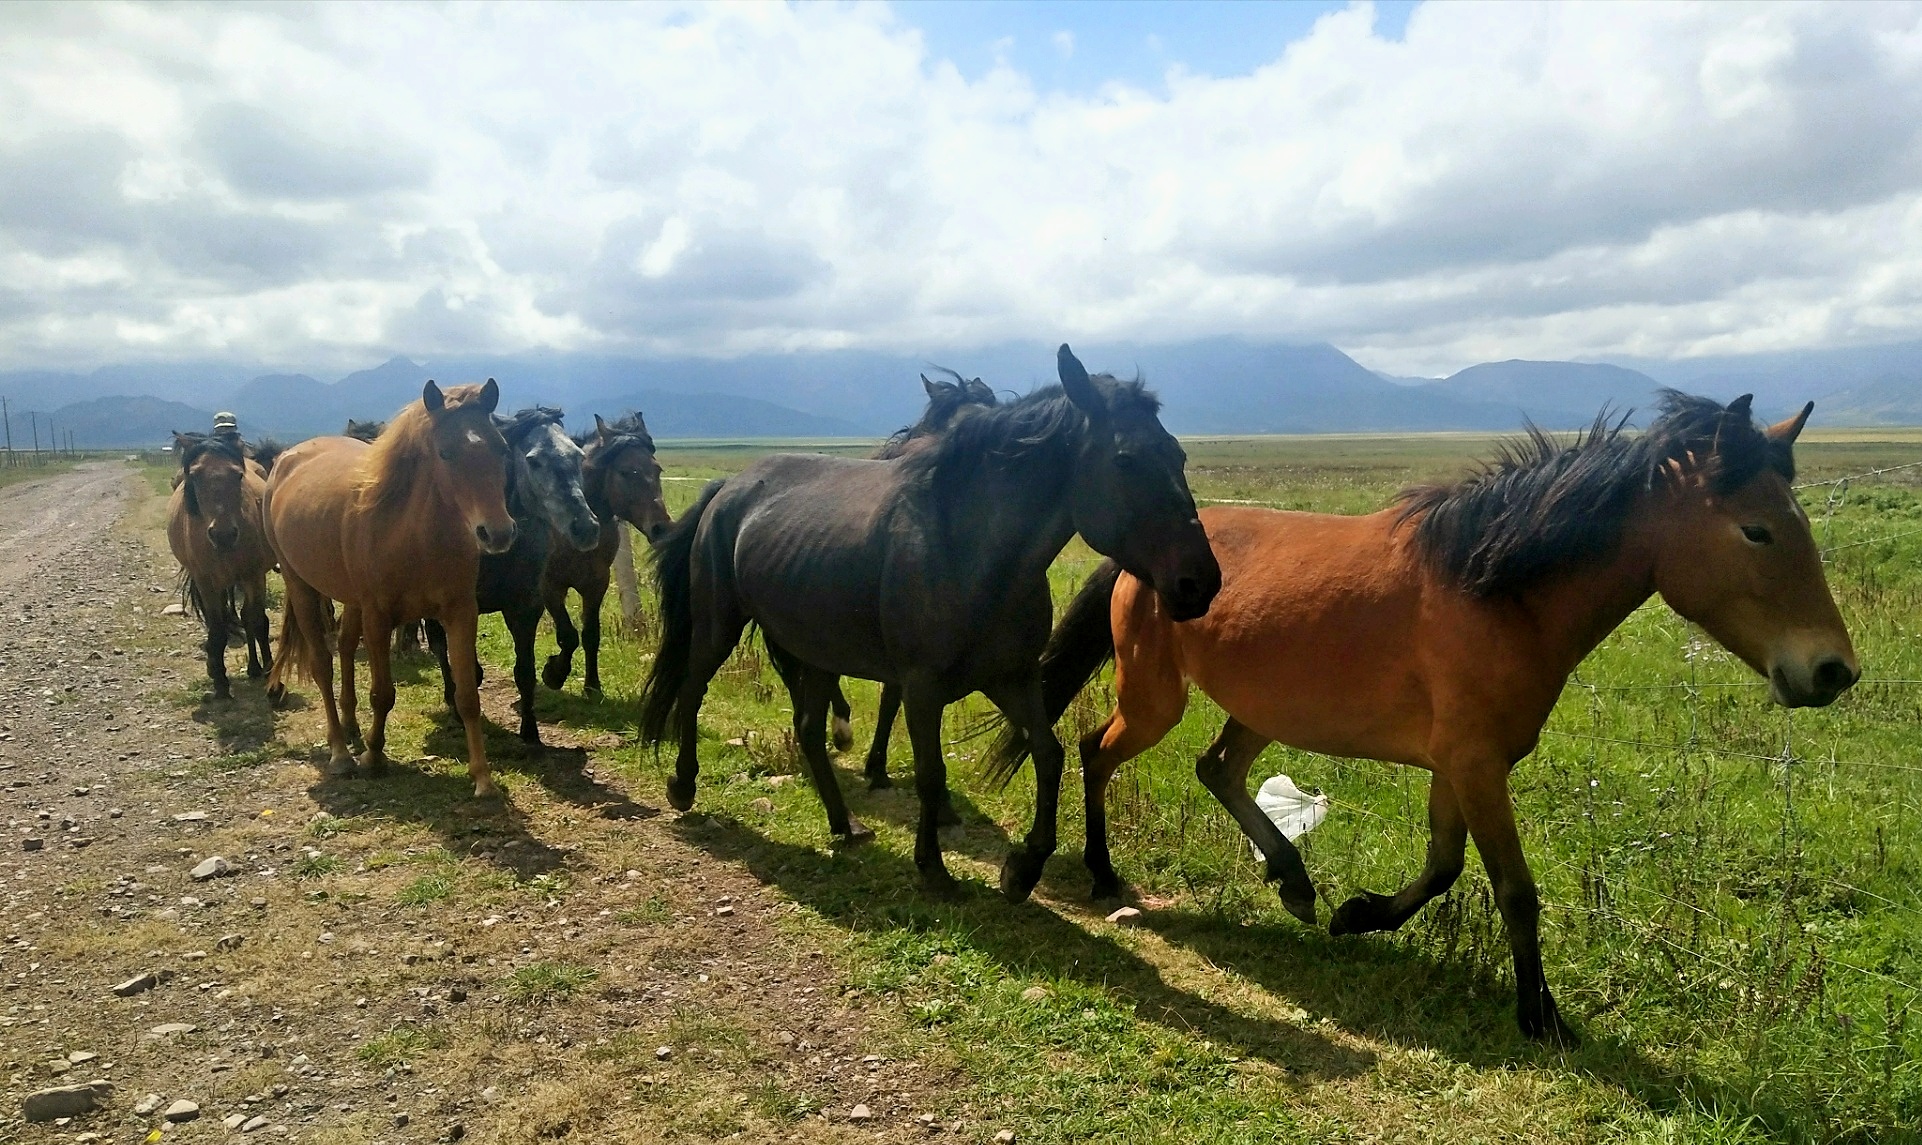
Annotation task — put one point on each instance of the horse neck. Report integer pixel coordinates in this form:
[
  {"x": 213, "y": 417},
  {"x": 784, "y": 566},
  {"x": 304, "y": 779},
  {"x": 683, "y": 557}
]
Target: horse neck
[
  {"x": 1576, "y": 610},
  {"x": 1016, "y": 518}
]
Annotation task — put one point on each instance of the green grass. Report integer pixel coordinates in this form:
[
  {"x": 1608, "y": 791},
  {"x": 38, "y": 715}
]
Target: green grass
[
  {"x": 315, "y": 866},
  {"x": 400, "y": 1046},
  {"x": 544, "y": 982},
  {"x": 426, "y": 889},
  {"x": 1739, "y": 941}
]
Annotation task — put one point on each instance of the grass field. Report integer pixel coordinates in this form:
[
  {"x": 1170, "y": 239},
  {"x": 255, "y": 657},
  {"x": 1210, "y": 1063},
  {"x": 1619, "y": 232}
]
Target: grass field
[{"x": 1731, "y": 918}]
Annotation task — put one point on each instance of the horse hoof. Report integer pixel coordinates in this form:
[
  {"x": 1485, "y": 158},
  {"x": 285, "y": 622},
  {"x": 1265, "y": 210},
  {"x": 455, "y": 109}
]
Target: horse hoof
[
  {"x": 256, "y": 673},
  {"x": 374, "y": 763},
  {"x": 532, "y": 737},
  {"x": 946, "y": 815},
  {"x": 1359, "y": 915},
  {"x": 857, "y": 833},
  {"x": 843, "y": 734},
  {"x": 1106, "y": 890},
  {"x": 592, "y": 691},
  {"x": 276, "y": 693},
  {"x": 680, "y": 796},
  {"x": 879, "y": 781},
  {"x": 1019, "y": 874},
  {"x": 554, "y": 673},
  {"x": 1302, "y": 909},
  {"x": 1551, "y": 1031},
  {"x": 339, "y": 767},
  {"x": 937, "y": 883}
]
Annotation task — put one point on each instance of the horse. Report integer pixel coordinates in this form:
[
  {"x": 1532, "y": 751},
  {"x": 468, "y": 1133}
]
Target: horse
[
  {"x": 1439, "y": 632},
  {"x": 946, "y": 401},
  {"x": 393, "y": 530},
  {"x": 929, "y": 572},
  {"x": 409, "y": 636},
  {"x": 214, "y": 530},
  {"x": 622, "y": 481},
  {"x": 544, "y": 494}
]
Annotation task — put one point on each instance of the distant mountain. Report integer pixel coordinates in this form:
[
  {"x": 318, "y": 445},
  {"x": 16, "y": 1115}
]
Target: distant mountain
[
  {"x": 1893, "y": 400},
  {"x": 1554, "y": 395},
  {"x": 119, "y": 422},
  {"x": 719, "y": 415}
]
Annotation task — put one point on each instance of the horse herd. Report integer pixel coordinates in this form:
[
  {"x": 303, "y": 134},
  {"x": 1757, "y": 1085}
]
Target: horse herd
[{"x": 1437, "y": 632}]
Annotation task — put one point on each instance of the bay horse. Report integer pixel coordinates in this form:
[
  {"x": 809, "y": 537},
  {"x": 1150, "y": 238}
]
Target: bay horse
[
  {"x": 622, "y": 482},
  {"x": 409, "y": 636},
  {"x": 214, "y": 530},
  {"x": 393, "y": 531},
  {"x": 1439, "y": 632},
  {"x": 929, "y": 572},
  {"x": 946, "y": 401},
  {"x": 551, "y": 514}
]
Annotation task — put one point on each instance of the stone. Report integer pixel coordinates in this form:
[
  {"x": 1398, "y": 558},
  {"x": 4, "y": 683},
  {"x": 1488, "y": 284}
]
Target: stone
[
  {"x": 146, "y": 1105},
  {"x": 169, "y": 1029},
  {"x": 174, "y": 609},
  {"x": 1005, "y": 1137},
  {"x": 182, "y": 1110},
  {"x": 138, "y": 984},
  {"x": 211, "y": 868},
  {"x": 81, "y": 1057},
  {"x": 259, "y": 1121},
  {"x": 860, "y": 1113},
  {"x": 1034, "y": 994},
  {"x": 233, "y": 1120},
  {"x": 762, "y": 806},
  {"x": 32, "y": 844},
  {"x": 1126, "y": 916},
  {"x": 229, "y": 941},
  {"x": 191, "y": 817},
  {"x": 457, "y": 994},
  {"x": 723, "y": 911},
  {"x": 64, "y": 1101},
  {"x": 400, "y": 1120},
  {"x": 663, "y": 1053}
]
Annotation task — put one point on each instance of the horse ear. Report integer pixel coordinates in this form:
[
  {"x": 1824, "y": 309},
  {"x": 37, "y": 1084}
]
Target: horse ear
[
  {"x": 601, "y": 433},
  {"x": 181, "y": 444},
  {"x": 490, "y": 395},
  {"x": 1785, "y": 432},
  {"x": 929, "y": 386},
  {"x": 1076, "y": 384},
  {"x": 1740, "y": 407},
  {"x": 430, "y": 396}
]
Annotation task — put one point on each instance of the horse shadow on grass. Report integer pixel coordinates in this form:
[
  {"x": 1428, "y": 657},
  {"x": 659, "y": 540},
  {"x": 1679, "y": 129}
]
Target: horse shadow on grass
[
  {"x": 244, "y": 724},
  {"x": 870, "y": 890}
]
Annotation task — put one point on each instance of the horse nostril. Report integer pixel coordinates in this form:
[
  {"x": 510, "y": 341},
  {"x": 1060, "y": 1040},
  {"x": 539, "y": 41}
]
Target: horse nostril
[
  {"x": 1834, "y": 674},
  {"x": 1187, "y": 587}
]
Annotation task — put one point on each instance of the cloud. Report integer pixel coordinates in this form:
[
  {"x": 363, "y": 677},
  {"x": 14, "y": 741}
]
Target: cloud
[{"x": 326, "y": 184}]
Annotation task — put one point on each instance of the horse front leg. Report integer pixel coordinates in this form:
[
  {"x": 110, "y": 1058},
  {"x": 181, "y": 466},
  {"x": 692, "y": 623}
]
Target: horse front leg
[
  {"x": 554, "y": 672},
  {"x": 213, "y": 610},
  {"x": 810, "y": 691},
  {"x": 379, "y": 631},
  {"x": 522, "y": 623},
  {"x": 305, "y": 629},
  {"x": 1481, "y": 788},
  {"x": 437, "y": 644},
  {"x": 1447, "y": 847},
  {"x": 1223, "y": 770},
  {"x": 876, "y": 768},
  {"x": 931, "y": 784},
  {"x": 347, "y": 640},
  {"x": 461, "y": 625},
  {"x": 1022, "y": 704},
  {"x": 260, "y": 653},
  {"x": 591, "y": 599}
]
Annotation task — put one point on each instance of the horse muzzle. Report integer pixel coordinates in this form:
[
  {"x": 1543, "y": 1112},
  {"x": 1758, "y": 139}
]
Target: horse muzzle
[
  {"x": 584, "y": 535},
  {"x": 1813, "y": 684},
  {"x": 495, "y": 539},
  {"x": 223, "y": 539}
]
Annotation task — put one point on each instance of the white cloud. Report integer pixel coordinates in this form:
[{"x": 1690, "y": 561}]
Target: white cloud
[{"x": 338, "y": 182}]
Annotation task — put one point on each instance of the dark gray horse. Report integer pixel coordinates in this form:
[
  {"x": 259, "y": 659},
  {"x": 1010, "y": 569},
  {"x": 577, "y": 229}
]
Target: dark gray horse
[
  {"x": 544, "y": 494},
  {"x": 929, "y": 572},
  {"x": 946, "y": 402}
]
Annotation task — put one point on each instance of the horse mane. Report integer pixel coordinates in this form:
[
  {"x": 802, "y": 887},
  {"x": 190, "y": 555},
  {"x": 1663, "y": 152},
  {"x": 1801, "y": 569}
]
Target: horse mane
[
  {"x": 365, "y": 431},
  {"x": 1022, "y": 433},
  {"x": 201, "y": 444},
  {"x": 517, "y": 426},
  {"x": 393, "y": 461},
  {"x": 1542, "y": 504},
  {"x": 628, "y": 430},
  {"x": 940, "y": 414},
  {"x": 265, "y": 452}
]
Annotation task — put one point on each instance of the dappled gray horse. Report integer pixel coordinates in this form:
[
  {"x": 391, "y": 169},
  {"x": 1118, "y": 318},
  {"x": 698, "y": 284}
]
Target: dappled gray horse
[{"x": 929, "y": 572}]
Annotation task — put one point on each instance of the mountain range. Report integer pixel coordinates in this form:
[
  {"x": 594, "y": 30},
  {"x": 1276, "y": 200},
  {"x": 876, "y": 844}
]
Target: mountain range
[{"x": 1210, "y": 386}]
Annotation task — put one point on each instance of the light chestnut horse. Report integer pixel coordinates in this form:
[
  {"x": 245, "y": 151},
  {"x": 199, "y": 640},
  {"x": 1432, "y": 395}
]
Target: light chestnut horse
[
  {"x": 1439, "y": 632},
  {"x": 394, "y": 531},
  {"x": 214, "y": 530}
]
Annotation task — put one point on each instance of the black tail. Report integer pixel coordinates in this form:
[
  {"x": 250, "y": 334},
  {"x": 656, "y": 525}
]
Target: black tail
[
  {"x": 674, "y": 572},
  {"x": 228, "y": 604},
  {"x": 1081, "y": 644}
]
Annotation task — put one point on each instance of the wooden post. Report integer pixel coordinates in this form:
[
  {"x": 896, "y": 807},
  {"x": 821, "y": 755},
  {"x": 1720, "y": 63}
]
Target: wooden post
[
  {"x": 7, "y": 419},
  {"x": 624, "y": 581}
]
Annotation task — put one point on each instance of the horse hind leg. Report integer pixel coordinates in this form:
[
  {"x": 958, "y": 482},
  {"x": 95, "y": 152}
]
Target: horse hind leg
[
  {"x": 1022, "y": 704},
  {"x": 306, "y": 615},
  {"x": 1223, "y": 770},
  {"x": 1447, "y": 847},
  {"x": 841, "y": 730},
  {"x": 214, "y": 613},
  {"x": 1148, "y": 705},
  {"x": 591, "y": 599},
  {"x": 380, "y": 689},
  {"x": 554, "y": 672},
  {"x": 931, "y": 783},
  {"x": 260, "y": 655},
  {"x": 522, "y": 624},
  {"x": 713, "y": 642},
  {"x": 811, "y": 691},
  {"x": 347, "y": 642}
]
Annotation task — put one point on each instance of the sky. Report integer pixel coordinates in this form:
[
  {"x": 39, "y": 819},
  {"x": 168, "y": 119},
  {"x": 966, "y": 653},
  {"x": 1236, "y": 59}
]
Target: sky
[{"x": 1425, "y": 186}]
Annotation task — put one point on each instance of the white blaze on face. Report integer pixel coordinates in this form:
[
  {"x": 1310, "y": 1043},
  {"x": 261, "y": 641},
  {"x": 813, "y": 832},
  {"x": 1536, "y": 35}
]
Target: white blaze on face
[{"x": 473, "y": 438}]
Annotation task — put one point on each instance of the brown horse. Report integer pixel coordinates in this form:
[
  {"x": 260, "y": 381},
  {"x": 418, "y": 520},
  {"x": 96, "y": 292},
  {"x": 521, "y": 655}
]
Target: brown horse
[
  {"x": 622, "y": 481},
  {"x": 409, "y": 636},
  {"x": 1439, "y": 632},
  {"x": 214, "y": 529},
  {"x": 394, "y": 531}
]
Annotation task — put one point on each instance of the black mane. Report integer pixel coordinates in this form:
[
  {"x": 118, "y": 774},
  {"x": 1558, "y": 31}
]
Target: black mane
[
  {"x": 1543, "y": 504},
  {"x": 629, "y": 430},
  {"x": 201, "y": 444},
  {"x": 1028, "y": 431},
  {"x": 517, "y": 426}
]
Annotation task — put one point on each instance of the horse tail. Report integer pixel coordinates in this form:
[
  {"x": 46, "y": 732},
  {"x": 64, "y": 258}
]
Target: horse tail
[
  {"x": 1080, "y": 645},
  {"x": 290, "y": 663},
  {"x": 674, "y": 572}
]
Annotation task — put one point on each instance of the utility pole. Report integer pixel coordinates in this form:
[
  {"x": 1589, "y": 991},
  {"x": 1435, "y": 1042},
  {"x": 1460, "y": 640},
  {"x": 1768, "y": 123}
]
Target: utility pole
[
  {"x": 34, "y": 419},
  {"x": 7, "y": 418}
]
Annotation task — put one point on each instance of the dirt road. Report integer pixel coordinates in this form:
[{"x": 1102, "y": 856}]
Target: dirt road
[{"x": 381, "y": 961}]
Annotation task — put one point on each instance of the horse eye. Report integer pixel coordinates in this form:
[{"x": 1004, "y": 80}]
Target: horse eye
[
  {"x": 1758, "y": 535},
  {"x": 447, "y": 455},
  {"x": 1124, "y": 461}
]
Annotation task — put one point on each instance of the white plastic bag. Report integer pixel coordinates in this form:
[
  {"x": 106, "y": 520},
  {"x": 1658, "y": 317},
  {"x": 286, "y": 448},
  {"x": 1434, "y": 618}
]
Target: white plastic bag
[{"x": 1290, "y": 808}]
